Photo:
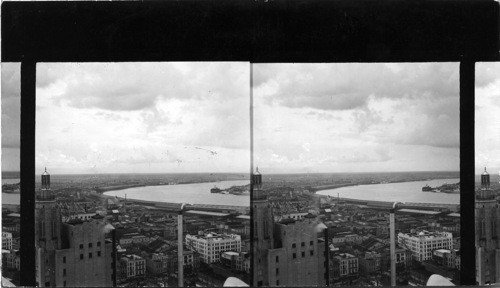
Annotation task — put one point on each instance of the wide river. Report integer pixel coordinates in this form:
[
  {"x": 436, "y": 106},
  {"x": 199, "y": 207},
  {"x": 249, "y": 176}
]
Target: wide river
[
  {"x": 402, "y": 192},
  {"x": 197, "y": 193},
  {"x": 11, "y": 198}
]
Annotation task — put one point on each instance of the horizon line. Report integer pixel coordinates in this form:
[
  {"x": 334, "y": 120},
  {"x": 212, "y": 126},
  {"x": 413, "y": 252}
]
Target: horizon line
[{"x": 243, "y": 173}]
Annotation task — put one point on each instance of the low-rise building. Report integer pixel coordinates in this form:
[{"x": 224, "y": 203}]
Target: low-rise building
[
  {"x": 344, "y": 265},
  {"x": 133, "y": 238},
  {"x": 6, "y": 241},
  {"x": 423, "y": 243},
  {"x": 211, "y": 245},
  {"x": 132, "y": 266},
  {"x": 11, "y": 259},
  {"x": 157, "y": 263},
  {"x": 348, "y": 237},
  {"x": 370, "y": 263}
]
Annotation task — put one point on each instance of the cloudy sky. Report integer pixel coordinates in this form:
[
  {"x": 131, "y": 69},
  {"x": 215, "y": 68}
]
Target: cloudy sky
[
  {"x": 487, "y": 112},
  {"x": 11, "y": 116},
  {"x": 143, "y": 117},
  {"x": 356, "y": 117}
]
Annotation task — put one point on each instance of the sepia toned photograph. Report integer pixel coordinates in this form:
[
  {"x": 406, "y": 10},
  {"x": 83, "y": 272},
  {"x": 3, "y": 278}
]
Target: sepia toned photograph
[
  {"x": 143, "y": 174},
  {"x": 487, "y": 170},
  {"x": 358, "y": 178}
]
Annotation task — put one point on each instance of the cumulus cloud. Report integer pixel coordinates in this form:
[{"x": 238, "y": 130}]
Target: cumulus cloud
[
  {"x": 143, "y": 117},
  {"x": 487, "y": 116},
  {"x": 349, "y": 86},
  {"x": 360, "y": 117},
  {"x": 136, "y": 86},
  {"x": 11, "y": 116}
]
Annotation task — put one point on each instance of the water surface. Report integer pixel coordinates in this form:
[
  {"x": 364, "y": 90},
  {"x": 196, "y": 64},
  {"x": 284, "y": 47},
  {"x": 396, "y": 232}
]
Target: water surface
[{"x": 403, "y": 192}]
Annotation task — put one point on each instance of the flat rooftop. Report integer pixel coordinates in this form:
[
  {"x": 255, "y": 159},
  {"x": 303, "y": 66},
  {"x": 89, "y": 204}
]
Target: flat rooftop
[
  {"x": 416, "y": 211},
  {"x": 207, "y": 213}
]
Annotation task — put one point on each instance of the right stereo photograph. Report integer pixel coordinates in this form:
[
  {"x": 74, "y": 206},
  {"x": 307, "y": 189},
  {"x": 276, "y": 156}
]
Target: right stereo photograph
[
  {"x": 356, "y": 177},
  {"x": 487, "y": 146}
]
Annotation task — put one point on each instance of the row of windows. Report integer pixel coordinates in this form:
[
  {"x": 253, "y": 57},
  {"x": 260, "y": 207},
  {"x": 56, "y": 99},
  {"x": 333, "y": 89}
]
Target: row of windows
[
  {"x": 303, "y": 244},
  {"x": 90, "y": 245},
  {"x": 294, "y": 255},
  {"x": 81, "y": 256}
]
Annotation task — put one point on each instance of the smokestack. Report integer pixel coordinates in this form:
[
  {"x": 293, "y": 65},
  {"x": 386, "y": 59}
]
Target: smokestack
[
  {"x": 180, "y": 256},
  {"x": 393, "y": 247},
  {"x": 113, "y": 255},
  {"x": 392, "y": 226},
  {"x": 327, "y": 259}
]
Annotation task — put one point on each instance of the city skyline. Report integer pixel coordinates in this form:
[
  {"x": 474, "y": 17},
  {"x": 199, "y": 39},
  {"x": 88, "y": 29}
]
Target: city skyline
[
  {"x": 356, "y": 117},
  {"x": 142, "y": 117}
]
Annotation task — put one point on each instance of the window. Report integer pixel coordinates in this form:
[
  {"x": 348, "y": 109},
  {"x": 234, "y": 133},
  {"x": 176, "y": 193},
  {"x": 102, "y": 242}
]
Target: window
[
  {"x": 98, "y": 253},
  {"x": 303, "y": 254},
  {"x": 90, "y": 255},
  {"x": 277, "y": 271},
  {"x": 64, "y": 272},
  {"x": 90, "y": 245},
  {"x": 81, "y": 246},
  {"x": 293, "y": 245},
  {"x": 294, "y": 255},
  {"x": 64, "y": 259},
  {"x": 311, "y": 242},
  {"x": 277, "y": 282},
  {"x": 64, "y": 283},
  {"x": 81, "y": 256},
  {"x": 277, "y": 259},
  {"x": 311, "y": 252},
  {"x": 98, "y": 243},
  {"x": 302, "y": 244}
]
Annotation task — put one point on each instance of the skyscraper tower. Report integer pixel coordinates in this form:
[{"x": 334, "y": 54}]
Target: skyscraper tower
[
  {"x": 263, "y": 238},
  {"x": 487, "y": 215},
  {"x": 47, "y": 232},
  {"x": 73, "y": 253}
]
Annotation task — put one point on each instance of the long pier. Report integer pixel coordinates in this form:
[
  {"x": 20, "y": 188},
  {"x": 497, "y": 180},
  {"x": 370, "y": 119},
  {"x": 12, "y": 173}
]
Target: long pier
[
  {"x": 412, "y": 205},
  {"x": 201, "y": 207}
]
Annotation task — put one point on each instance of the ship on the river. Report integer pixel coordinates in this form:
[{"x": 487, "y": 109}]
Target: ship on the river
[
  {"x": 215, "y": 190},
  {"x": 427, "y": 188},
  {"x": 445, "y": 188},
  {"x": 11, "y": 188}
]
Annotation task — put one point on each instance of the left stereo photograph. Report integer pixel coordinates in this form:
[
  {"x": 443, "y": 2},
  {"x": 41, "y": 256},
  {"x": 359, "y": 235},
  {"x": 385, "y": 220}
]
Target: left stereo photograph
[
  {"x": 11, "y": 159},
  {"x": 143, "y": 174}
]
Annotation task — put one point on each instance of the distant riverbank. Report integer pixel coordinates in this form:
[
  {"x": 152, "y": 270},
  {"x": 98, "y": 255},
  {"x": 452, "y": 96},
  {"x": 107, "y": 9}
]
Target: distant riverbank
[
  {"x": 193, "y": 193},
  {"x": 410, "y": 191},
  {"x": 128, "y": 186},
  {"x": 337, "y": 186}
]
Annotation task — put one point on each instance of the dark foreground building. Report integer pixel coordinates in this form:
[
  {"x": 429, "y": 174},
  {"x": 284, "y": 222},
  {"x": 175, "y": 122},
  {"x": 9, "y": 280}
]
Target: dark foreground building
[{"x": 74, "y": 253}]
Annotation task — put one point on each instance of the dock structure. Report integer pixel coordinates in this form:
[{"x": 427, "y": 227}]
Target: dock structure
[{"x": 409, "y": 205}]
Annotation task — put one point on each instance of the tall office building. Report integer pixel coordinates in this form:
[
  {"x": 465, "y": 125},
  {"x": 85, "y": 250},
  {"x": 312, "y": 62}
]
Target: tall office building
[
  {"x": 47, "y": 233},
  {"x": 287, "y": 253},
  {"x": 74, "y": 253},
  {"x": 263, "y": 238},
  {"x": 297, "y": 259},
  {"x": 487, "y": 216}
]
